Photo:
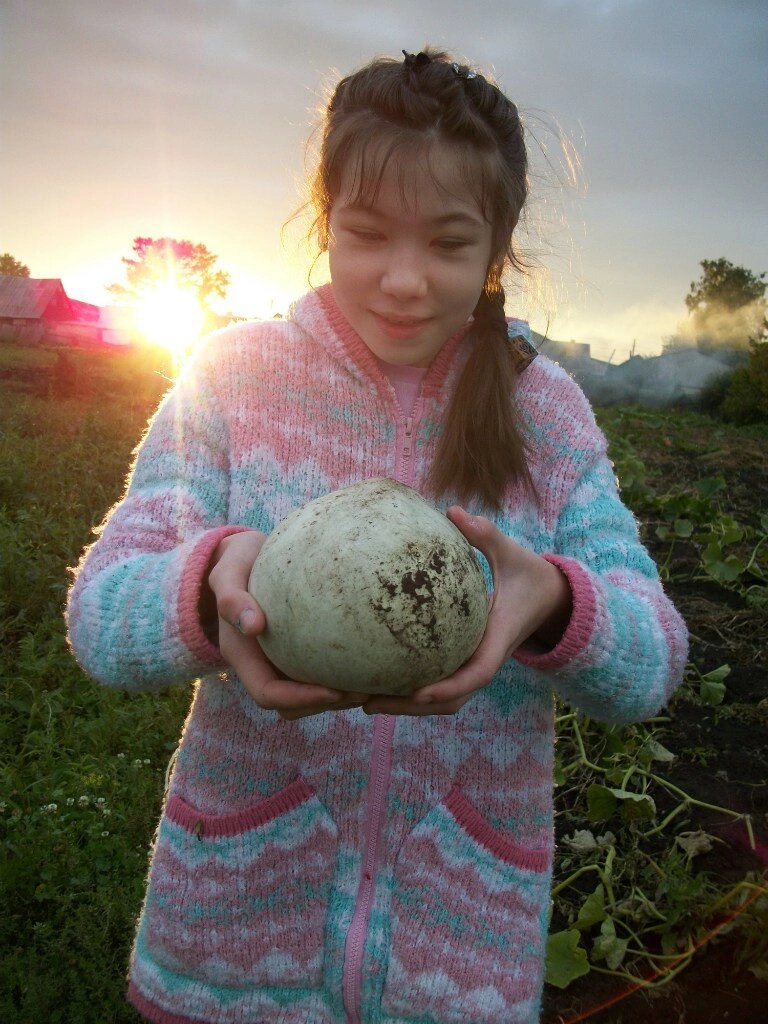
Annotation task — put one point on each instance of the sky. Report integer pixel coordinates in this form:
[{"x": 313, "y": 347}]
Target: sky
[{"x": 190, "y": 118}]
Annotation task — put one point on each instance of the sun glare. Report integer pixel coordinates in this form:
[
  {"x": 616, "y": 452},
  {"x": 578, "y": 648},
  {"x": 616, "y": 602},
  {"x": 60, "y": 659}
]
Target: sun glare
[{"x": 170, "y": 316}]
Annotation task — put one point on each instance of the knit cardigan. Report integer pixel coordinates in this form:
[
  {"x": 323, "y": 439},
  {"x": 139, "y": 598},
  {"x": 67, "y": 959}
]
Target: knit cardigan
[{"x": 346, "y": 868}]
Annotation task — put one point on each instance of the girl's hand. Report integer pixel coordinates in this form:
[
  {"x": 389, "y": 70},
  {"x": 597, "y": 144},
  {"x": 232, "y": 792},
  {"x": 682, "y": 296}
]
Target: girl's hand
[
  {"x": 240, "y": 622},
  {"x": 531, "y": 600}
]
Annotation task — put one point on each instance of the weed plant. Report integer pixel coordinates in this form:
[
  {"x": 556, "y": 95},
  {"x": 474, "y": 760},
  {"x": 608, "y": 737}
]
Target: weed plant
[
  {"x": 720, "y": 548},
  {"x": 628, "y": 899}
]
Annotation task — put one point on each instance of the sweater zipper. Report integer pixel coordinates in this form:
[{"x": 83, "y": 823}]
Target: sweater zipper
[
  {"x": 404, "y": 469},
  {"x": 380, "y": 772},
  {"x": 381, "y": 765},
  {"x": 408, "y": 438}
]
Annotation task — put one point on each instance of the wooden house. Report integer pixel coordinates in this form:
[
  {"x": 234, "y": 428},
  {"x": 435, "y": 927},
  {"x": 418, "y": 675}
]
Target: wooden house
[
  {"x": 39, "y": 311},
  {"x": 30, "y": 308}
]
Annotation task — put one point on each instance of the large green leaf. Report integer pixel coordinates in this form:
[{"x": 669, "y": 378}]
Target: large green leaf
[
  {"x": 601, "y": 803},
  {"x": 635, "y": 806},
  {"x": 566, "y": 958},
  {"x": 709, "y": 486},
  {"x": 608, "y": 946},
  {"x": 712, "y": 687},
  {"x": 592, "y": 910},
  {"x": 652, "y": 750}
]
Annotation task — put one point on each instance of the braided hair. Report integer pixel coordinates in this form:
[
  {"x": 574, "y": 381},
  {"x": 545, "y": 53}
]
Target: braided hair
[{"x": 387, "y": 114}]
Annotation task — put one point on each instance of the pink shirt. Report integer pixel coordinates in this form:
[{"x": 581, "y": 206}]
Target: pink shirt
[{"x": 406, "y": 380}]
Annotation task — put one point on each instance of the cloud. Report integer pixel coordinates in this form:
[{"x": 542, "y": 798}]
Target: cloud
[{"x": 190, "y": 115}]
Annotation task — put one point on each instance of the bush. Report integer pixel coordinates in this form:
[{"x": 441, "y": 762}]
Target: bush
[
  {"x": 710, "y": 399},
  {"x": 747, "y": 397}
]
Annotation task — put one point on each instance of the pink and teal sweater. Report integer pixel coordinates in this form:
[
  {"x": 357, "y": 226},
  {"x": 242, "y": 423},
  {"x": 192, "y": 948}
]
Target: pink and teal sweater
[{"x": 347, "y": 869}]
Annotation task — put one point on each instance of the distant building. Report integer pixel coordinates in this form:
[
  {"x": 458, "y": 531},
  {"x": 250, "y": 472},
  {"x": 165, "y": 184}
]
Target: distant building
[
  {"x": 671, "y": 377},
  {"x": 30, "y": 308},
  {"x": 564, "y": 351},
  {"x": 592, "y": 375},
  {"x": 117, "y": 326},
  {"x": 661, "y": 381},
  {"x": 39, "y": 311}
]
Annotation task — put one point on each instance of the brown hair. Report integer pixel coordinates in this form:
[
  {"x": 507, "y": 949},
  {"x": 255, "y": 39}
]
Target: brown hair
[{"x": 390, "y": 111}]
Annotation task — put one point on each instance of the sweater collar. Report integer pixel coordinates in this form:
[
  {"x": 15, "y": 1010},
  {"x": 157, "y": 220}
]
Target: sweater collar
[{"x": 319, "y": 314}]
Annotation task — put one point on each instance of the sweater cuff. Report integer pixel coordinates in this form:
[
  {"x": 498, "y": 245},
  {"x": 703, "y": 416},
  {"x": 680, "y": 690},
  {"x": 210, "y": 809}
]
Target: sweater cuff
[
  {"x": 580, "y": 626},
  {"x": 190, "y": 587}
]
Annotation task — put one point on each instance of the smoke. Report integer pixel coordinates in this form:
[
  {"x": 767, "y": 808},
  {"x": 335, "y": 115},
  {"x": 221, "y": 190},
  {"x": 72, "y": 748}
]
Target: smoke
[{"x": 716, "y": 327}]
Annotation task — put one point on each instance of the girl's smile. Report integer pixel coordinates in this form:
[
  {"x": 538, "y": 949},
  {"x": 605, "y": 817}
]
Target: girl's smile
[
  {"x": 407, "y": 269},
  {"x": 400, "y": 327}
]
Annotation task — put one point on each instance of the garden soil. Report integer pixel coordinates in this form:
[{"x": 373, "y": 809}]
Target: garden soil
[{"x": 721, "y": 752}]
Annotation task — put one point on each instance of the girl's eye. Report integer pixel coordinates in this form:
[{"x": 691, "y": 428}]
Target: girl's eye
[
  {"x": 366, "y": 236},
  {"x": 451, "y": 244}
]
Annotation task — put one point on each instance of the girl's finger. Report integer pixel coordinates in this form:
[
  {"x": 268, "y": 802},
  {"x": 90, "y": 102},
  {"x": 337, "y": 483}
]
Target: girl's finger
[
  {"x": 481, "y": 534},
  {"x": 493, "y": 651},
  {"x": 287, "y": 695},
  {"x": 243, "y": 614},
  {"x": 291, "y": 716},
  {"x": 408, "y": 706}
]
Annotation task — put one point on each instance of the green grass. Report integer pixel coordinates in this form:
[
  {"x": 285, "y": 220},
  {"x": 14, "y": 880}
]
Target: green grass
[{"x": 83, "y": 769}]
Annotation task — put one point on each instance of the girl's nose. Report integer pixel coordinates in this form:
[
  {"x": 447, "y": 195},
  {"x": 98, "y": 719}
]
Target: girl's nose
[{"x": 404, "y": 277}]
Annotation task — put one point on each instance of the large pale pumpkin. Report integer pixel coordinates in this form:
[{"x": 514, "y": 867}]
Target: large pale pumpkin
[{"x": 370, "y": 589}]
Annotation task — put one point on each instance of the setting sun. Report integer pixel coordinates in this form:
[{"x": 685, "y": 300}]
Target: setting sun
[{"x": 169, "y": 315}]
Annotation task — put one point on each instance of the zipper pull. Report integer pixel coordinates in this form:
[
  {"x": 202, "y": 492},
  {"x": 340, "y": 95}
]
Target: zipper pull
[{"x": 408, "y": 436}]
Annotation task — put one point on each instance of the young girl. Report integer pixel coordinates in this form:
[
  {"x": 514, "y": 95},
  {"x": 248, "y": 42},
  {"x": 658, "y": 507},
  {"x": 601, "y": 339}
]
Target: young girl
[{"x": 329, "y": 857}]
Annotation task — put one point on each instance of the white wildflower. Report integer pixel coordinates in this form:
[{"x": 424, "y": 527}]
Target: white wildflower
[
  {"x": 695, "y": 843},
  {"x": 83, "y": 801},
  {"x": 582, "y": 842},
  {"x": 49, "y": 808}
]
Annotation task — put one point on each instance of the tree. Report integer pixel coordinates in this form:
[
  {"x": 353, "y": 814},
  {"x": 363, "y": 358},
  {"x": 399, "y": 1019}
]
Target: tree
[
  {"x": 727, "y": 308},
  {"x": 10, "y": 267},
  {"x": 167, "y": 260},
  {"x": 724, "y": 286}
]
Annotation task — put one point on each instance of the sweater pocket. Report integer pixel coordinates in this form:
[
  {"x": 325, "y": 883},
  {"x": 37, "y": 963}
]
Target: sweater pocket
[
  {"x": 240, "y": 899},
  {"x": 469, "y": 914}
]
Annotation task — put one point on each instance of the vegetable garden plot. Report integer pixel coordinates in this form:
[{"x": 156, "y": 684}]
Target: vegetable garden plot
[{"x": 662, "y": 852}]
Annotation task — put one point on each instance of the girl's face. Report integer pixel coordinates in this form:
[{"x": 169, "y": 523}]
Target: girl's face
[{"x": 407, "y": 272}]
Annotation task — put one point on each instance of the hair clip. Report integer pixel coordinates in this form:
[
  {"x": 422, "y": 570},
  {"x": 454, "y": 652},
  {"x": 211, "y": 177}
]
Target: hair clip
[
  {"x": 416, "y": 62},
  {"x": 463, "y": 72}
]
